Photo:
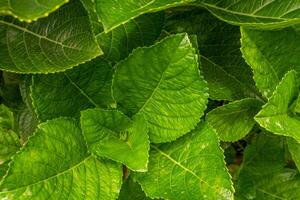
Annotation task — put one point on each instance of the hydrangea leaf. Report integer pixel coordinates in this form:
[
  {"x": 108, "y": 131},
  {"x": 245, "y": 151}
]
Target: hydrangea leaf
[
  {"x": 114, "y": 13},
  {"x": 192, "y": 167},
  {"x": 69, "y": 92},
  {"x": 270, "y": 60},
  {"x": 132, "y": 190},
  {"x": 29, "y": 10},
  {"x": 235, "y": 120},
  {"x": 111, "y": 134},
  {"x": 276, "y": 115},
  {"x": 226, "y": 72},
  {"x": 256, "y": 13},
  {"x": 35, "y": 173},
  {"x": 163, "y": 83},
  {"x": 56, "y": 43},
  {"x": 263, "y": 174}
]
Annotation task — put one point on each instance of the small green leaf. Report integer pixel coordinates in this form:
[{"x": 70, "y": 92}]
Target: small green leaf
[
  {"x": 270, "y": 60},
  {"x": 263, "y": 174},
  {"x": 111, "y": 134},
  {"x": 56, "y": 43},
  {"x": 163, "y": 83},
  {"x": 69, "y": 92},
  {"x": 256, "y": 13},
  {"x": 294, "y": 148},
  {"x": 55, "y": 164},
  {"x": 29, "y": 10},
  {"x": 276, "y": 115},
  {"x": 235, "y": 120},
  {"x": 132, "y": 190},
  {"x": 192, "y": 168}
]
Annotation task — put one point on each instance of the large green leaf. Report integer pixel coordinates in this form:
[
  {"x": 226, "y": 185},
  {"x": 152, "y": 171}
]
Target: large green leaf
[
  {"x": 163, "y": 83},
  {"x": 114, "y": 13},
  {"x": 276, "y": 115},
  {"x": 111, "y": 134},
  {"x": 263, "y": 174},
  {"x": 69, "y": 92},
  {"x": 30, "y": 9},
  {"x": 55, "y": 164},
  {"x": 271, "y": 54},
  {"x": 235, "y": 120},
  {"x": 141, "y": 31},
  {"x": 263, "y": 14},
  {"x": 294, "y": 148},
  {"x": 192, "y": 167},
  {"x": 56, "y": 43},
  {"x": 227, "y": 74}
]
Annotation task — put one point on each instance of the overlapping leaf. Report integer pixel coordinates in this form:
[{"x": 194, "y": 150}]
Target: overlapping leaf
[
  {"x": 192, "y": 167},
  {"x": 255, "y": 13},
  {"x": 294, "y": 148},
  {"x": 111, "y": 134},
  {"x": 263, "y": 174},
  {"x": 56, "y": 43},
  {"x": 234, "y": 120},
  {"x": 163, "y": 83},
  {"x": 69, "y": 92},
  {"x": 227, "y": 74},
  {"x": 30, "y": 9},
  {"x": 271, "y": 54},
  {"x": 276, "y": 115},
  {"x": 55, "y": 164},
  {"x": 132, "y": 190}
]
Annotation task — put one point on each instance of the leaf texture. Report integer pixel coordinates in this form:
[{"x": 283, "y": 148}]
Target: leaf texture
[
  {"x": 56, "y": 43},
  {"x": 69, "y": 92},
  {"x": 31, "y": 9},
  {"x": 163, "y": 83},
  {"x": 235, "y": 120},
  {"x": 192, "y": 167},
  {"x": 111, "y": 134},
  {"x": 259, "y": 14},
  {"x": 55, "y": 164},
  {"x": 270, "y": 60},
  {"x": 276, "y": 115}
]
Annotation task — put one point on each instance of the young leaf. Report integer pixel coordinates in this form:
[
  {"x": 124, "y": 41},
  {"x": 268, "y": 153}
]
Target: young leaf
[
  {"x": 69, "y": 92},
  {"x": 163, "y": 83},
  {"x": 226, "y": 72},
  {"x": 111, "y": 134},
  {"x": 294, "y": 148},
  {"x": 56, "y": 43},
  {"x": 115, "y": 13},
  {"x": 276, "y": 116},
  {"x": 270, "y": 60},
  {"x": 141, "y": 31},
  {"x": 55, "y": 164},
  {"x": 263, "y": 174},
  {"x": 192, "y": 167},
  {"x": 132, "y": 190},
  {"x": 255, "y": 14},
  {"x": 235, "y": 120},
  {"x": 30, "y": 9}
]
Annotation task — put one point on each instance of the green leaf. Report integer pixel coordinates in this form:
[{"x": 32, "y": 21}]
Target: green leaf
[
  {"x": 163, "y": 83},
  {"x": 56, "y": 43},
  {"x": 294, "y": 148},
  {"x": 115, "y": 13},
  {"x": 256, "y": 13},
  {"x": 6, "y": 117},
  {"x": 132, "y": 190},
  {"x": 9, "y": 90},
  {"x": 270, "y": 60},
  {"x": 276, "y": 115},
  {"x": 192, "y": 167},
  {"x": 235, "y": 120},
  {"x": 29, "y": 10},
  {"x": 69, "y": 92},
  {"x": 263, "y": 174},
  {"x": 227, "y": 74},
  {"x": 111, "y": 134},
  {"x": 3, "y": 169},
  {"x": 55, "y": 164},
  {"x": 142, "y": 31}
]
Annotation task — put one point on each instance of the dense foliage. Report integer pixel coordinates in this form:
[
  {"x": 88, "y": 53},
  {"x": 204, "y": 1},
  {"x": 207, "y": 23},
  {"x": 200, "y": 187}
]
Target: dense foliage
[{"x": 149, "y": 99}]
